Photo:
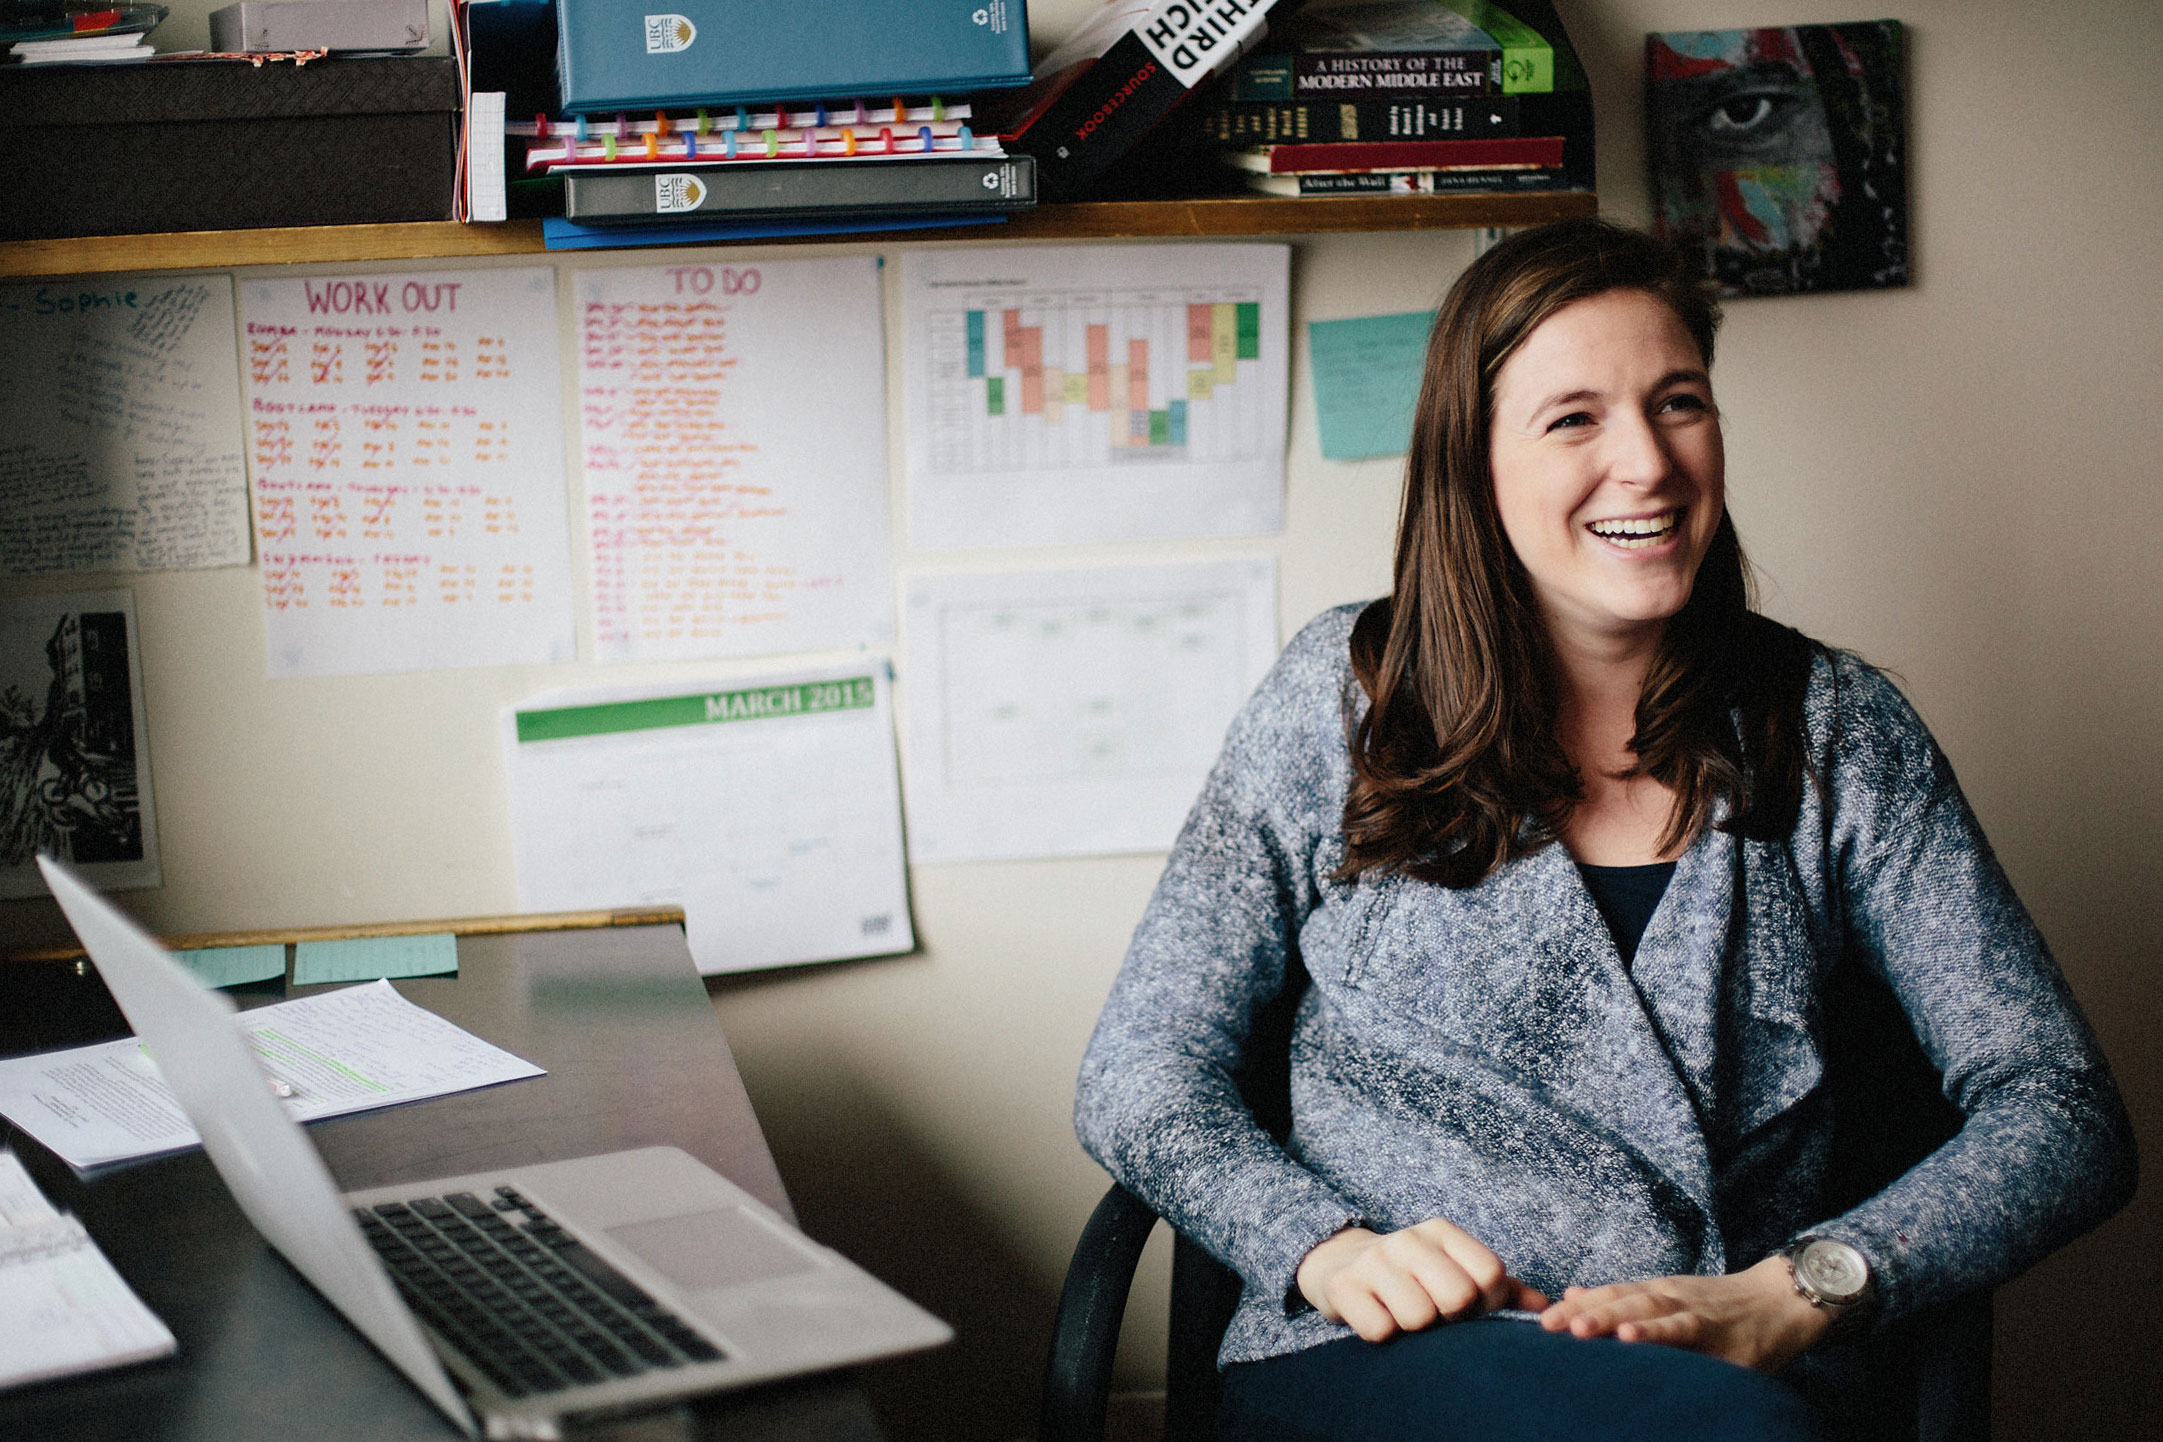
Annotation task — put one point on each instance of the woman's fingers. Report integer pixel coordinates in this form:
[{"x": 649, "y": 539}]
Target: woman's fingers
[
  {"x": 1598, "y": 1311},
  {"x": 1379, "y": 1285},
  {"x": 1361, "y": 1310},
  {"x": 1676, "y": 1329},
  {"x": 1411, "y": 1304},
  {"x": 1473, "y": 1259}
]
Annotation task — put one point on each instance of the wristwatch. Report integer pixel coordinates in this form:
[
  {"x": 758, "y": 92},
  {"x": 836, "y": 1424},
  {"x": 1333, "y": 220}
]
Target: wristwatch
[{"x": 1831, "y": 1275}]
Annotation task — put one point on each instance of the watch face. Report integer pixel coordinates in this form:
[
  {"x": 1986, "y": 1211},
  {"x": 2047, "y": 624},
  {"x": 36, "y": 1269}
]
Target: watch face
[{"x": 1834, "y": 1270}]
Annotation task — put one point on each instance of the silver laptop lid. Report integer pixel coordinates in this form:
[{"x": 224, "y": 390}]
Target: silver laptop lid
[{"x": 263, "y": 1155}]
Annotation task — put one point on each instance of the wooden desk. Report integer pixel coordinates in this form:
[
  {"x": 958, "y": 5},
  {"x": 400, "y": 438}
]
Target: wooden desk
[{"x": 634, "y": 1057}]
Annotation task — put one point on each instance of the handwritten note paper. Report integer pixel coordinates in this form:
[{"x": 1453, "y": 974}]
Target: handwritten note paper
[
  {"x": 409, "y": 486},
  {"x": 120, "y": 438},
  {"x": 734, "y": 419},
  {"x": 1366, "y": 381}
]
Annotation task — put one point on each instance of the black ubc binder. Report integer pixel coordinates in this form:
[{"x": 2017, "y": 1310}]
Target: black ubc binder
[{"x": 812, "y": 189}]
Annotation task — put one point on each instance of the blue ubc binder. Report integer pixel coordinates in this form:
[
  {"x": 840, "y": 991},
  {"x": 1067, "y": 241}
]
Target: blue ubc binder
[{"x": 644, "y": 54}]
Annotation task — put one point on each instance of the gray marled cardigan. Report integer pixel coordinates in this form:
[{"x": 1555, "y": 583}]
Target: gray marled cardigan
[{"x": 1482, "y": 1054}]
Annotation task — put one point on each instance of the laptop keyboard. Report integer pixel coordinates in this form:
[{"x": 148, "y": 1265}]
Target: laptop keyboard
[{"x": 530, "y": 1305}]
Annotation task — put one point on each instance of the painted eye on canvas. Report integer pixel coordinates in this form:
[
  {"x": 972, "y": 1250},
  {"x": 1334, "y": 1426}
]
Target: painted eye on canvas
[{"x": 1740, "y": 115}]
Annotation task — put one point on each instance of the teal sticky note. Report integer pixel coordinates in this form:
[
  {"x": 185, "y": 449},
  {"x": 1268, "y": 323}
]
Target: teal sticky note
[
  {"x": 1366, "y": 381},
  {"x": 364, "y": 958},
  {"x": 234, "y": 965}
]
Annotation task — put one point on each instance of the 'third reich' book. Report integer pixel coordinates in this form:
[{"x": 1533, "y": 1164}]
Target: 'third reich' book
[
  {"x": 615, "y": 55},
  {"x": 1094, "y": 97},
  {"x": 803, "y": 190}
]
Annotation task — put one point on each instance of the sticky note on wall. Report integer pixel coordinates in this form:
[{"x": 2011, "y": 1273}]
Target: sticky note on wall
[
  {"x": 364, "y": 958},
  {"x": 1366, "y": 381}
]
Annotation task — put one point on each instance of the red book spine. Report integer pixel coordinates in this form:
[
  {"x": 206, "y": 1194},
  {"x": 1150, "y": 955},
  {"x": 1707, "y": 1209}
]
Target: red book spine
[{"x": 1533, "y": 150}]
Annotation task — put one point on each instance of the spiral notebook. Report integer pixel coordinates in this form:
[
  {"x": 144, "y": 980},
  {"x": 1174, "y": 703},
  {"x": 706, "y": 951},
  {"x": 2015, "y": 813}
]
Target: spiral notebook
[{"x": 63, "y": 1309}]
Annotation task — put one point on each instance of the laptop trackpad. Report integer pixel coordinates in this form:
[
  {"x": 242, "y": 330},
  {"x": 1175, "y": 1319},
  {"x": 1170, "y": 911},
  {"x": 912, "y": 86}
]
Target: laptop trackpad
[{"x": 703, "y": 1251}]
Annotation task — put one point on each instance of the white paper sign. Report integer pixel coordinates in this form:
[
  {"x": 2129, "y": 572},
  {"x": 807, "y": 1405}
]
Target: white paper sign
[
  {"x": 769, "y": 809},
  {"x": 734, "y": 422},
  {"x": 120, "y": 437},
  {"x": 1067, "y": 713},
  {"x": 1095, "y": 393},
  {"x": 407, "y": 440}
]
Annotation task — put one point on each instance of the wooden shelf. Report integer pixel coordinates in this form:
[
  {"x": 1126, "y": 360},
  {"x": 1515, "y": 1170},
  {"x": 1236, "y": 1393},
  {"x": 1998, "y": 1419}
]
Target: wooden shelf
[
  {"x": 1092, "y": 220},
  {"x": 463, "y": 926}
]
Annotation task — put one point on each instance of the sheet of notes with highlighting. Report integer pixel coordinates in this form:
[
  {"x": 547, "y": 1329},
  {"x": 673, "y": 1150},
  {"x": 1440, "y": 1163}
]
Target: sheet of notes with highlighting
[{"x": 406, "y": 439}]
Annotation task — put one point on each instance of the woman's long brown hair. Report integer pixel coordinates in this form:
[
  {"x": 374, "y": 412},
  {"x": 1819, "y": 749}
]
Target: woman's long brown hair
[{"x": 1456, "y": 767}]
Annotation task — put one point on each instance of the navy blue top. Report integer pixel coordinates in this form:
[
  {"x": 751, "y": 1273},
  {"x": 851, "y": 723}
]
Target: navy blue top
[{"x": 1627, "y": 896}]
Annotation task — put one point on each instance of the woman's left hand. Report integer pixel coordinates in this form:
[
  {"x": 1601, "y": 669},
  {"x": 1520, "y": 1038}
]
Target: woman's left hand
[{"x": 1754, "y": 1318}]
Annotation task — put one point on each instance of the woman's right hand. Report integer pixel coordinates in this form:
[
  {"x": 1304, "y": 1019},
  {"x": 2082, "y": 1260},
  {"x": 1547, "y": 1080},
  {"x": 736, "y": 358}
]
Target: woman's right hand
[{"x": 1380, "y": 1284}]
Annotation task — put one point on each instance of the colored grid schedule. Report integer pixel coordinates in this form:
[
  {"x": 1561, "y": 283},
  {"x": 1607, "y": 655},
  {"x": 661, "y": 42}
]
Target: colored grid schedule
[
  {"x": 1087, "y": 378},
  {"x": 1095, "y": 394}
]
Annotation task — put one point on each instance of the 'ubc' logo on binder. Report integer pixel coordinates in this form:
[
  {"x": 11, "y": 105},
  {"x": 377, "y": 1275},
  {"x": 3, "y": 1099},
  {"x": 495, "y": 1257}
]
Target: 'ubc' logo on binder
[
  {"x": 666, "y": 34},
  {"x": 674, "y": 194}
]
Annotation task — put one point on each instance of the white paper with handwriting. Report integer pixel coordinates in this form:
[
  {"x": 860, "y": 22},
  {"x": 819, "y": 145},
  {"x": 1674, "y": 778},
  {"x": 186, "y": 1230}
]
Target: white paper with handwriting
[{"x": 120, "y": 437}]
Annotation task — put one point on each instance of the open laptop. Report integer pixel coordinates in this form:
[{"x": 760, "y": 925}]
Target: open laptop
[{"x": 513, "y": 1299}]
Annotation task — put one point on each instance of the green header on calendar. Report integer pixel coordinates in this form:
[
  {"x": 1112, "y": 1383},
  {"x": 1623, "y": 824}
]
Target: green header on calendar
[{"x": 758, "y": 703}]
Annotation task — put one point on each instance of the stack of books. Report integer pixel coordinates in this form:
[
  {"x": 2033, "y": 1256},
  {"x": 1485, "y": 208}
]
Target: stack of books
[
  {"x": 835, "y": 120},
  {"x": 1404, "y": 97}
]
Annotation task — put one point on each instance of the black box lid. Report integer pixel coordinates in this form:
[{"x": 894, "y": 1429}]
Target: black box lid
[{"x": 175, "y": 91}]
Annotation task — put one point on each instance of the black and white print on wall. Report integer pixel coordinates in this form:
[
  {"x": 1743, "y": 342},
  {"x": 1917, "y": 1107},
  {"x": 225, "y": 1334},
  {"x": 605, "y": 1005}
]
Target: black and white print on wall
[{"x": 74, "y": 759}]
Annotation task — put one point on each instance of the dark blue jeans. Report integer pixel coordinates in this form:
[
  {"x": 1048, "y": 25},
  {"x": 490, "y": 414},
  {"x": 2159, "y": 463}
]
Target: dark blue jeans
[{"x": 1498, "y": 1380}]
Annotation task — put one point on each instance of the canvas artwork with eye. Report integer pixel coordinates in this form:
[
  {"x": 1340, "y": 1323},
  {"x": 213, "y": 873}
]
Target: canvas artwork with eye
[{"x": 1778, "y": 155}]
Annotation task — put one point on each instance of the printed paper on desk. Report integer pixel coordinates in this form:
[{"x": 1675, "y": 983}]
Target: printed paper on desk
[
  {"x": 734, "y": 423},
  {"x": 334, "y": 1053},
  {"x": 769, "y": 808},
  {"x": 407, "y": 440},
  {"x": 1095, "y": 394},
  {"x": 1069, "y": 713},
  {"x": 120, "y": 434},
  {"x": 74, "y": 750}
]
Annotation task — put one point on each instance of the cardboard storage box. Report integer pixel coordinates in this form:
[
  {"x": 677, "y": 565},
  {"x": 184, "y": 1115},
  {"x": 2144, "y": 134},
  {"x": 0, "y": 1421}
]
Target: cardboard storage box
[{"x": 184, "y": 145}]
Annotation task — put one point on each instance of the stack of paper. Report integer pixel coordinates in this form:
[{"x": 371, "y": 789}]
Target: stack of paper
[
  {"x": 103, "y": 49},
  {"x": 63, "y": 1308},
  {"x": 327, "y": 1055}
]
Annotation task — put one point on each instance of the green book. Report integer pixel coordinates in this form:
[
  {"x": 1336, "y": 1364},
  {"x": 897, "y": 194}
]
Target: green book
[{"x": 1351, "y": 50}]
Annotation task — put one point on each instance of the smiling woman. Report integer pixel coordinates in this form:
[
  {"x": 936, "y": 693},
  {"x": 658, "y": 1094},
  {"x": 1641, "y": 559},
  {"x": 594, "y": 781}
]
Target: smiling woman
[{"x": 1571, "y": 864}]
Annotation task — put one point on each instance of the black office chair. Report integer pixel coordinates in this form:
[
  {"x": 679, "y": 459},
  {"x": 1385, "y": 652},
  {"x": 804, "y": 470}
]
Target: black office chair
[{"x": 1930, "y": 1374}]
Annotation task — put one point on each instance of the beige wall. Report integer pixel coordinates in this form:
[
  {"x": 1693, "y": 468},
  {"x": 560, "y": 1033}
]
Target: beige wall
[{"x": 1959, "y": 479}]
